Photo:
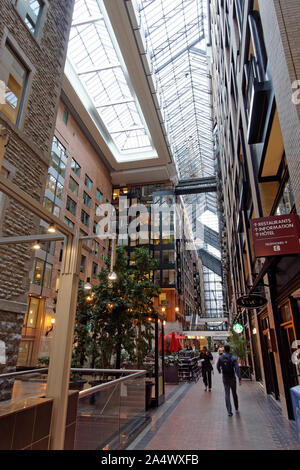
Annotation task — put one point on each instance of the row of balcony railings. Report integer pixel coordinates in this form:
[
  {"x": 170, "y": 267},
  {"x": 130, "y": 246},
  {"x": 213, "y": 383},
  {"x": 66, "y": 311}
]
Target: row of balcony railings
[{"x": 110, "y": 408}]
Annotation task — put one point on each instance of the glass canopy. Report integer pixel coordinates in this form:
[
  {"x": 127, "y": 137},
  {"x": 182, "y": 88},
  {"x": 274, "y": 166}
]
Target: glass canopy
[
  {"x": 95, "y": 56},
  {"x": 175, "y": 33}
]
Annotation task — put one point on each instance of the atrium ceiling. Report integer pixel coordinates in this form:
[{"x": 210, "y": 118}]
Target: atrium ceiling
[{"x": 140, "y": 68}]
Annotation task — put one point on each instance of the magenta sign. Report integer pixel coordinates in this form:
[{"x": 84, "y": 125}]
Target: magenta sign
[{"x": 276, "y": 236}]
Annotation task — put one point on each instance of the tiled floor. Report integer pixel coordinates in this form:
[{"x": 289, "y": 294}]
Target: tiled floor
[{"x": 192, "y": 419}]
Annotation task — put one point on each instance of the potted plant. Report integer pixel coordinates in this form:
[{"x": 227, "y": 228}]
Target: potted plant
[{"x": 240, "y": 348}]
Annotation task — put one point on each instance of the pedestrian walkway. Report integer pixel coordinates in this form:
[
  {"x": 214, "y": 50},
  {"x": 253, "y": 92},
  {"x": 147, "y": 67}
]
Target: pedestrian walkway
[{"x": 192, "y": 419}]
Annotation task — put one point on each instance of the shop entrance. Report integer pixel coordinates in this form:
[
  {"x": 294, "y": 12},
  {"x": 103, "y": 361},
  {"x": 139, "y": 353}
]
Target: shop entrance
[{"x": 268, "y": 357}]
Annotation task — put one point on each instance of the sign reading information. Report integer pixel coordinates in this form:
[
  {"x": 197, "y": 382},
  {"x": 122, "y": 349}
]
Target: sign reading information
[{"x": 277, "y": 235}]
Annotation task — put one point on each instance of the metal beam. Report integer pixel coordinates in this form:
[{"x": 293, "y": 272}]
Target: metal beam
[
  {"x": 196, "y": 186},
  {"x": 89, "y": 20},
  {"x": 31, "y": 238},
  {"x": 98, "y": 69}
]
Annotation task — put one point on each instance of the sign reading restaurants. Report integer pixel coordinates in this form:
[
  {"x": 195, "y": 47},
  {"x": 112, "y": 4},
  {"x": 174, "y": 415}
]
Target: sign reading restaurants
[{"x": 277, "y": 235}]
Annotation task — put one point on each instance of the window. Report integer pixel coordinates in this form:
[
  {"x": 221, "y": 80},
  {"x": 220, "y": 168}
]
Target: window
[
  {"x": 73, "y": 186},
  {"x": 30, "y": 11},
  {"x": 51, "y": 206},
  {"x": 168, "y": 277},
  {"x": 30, "y": 318},
  {"x": 95, "y": 228},
  {"x": 42, "y": 273},
  {"x": 95, "y": 248},
  {"x": 168, "y": 256},
  {"x": 15, "y": 81},
  {"x": 69, "y": 222},
  {"x": 94, "y": 270},
  {"x": 86, "y": 200},
  {"x": 85, "y": 218},
  {"x": 71, "y": 206},
  {"x": 286, "y": 202},
  {"x": 82, "y": 264},
  {"x": 54, "y": 186},
  {"x": 57, "y": 281},
  {"x": 88, "y": 183},
  {"x": 59, "y": 157},
  {"x": 99, "y": 195},
  {"x": 65, "y": 116},
  {"x": 76, "y": 168}
]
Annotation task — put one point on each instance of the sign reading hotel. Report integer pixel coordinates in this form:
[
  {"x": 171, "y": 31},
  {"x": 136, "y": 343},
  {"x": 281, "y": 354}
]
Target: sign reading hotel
[{"x": 277, "y": 235}]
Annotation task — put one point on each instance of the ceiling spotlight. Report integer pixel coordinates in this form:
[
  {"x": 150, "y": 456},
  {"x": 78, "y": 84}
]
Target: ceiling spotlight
[
  {"x": 112, "y": 276},
  {"x": 36, "y": 246},
  {"x": 51, "y": 228},
  {"x": 88, "y": 285}
]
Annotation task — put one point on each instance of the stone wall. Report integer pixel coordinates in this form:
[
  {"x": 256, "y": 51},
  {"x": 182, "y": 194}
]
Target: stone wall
[{"x": 27, "y": 154}]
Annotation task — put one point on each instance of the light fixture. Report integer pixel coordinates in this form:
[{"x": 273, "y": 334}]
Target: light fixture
[
  {"x": 89, "y": 298},
  {"x": 51, "y": 228},
  {"x": 163, "y": 309},
  {"x": 112, "y": 276},
  {"x": 87, "y": 285},
  {"x": 176, "y": 309},
  {"x": 51, "y": 327},
  {"x": 36, "y": 246},
  {"x": 254, "y": 331}
]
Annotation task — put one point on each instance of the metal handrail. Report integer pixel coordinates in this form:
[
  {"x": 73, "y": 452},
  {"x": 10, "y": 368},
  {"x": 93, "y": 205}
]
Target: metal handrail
[
  {"x": 98, "y": 388},
  {"x": 88, "y": 371},
  {"x": 25, "y": 372}
]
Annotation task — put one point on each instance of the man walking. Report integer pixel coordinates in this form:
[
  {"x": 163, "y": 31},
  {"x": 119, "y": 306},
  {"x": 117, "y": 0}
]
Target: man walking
[{"x": 228, "y": 364}]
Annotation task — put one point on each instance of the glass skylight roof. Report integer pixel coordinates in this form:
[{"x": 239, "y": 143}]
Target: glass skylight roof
[
  {"x": 175, "y": 35},
  {"x": 95, "y": 56}
]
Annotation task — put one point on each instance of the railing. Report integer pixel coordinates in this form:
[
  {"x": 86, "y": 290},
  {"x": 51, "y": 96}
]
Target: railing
[
  {"x": 112, "y": 413},
  {"x": 111, "y": 409}
]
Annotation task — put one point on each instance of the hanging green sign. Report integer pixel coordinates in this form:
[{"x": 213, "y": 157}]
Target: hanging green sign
[{"x": 238, "y": 328}]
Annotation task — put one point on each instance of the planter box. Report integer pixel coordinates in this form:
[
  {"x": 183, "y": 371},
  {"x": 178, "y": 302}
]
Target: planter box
[
  {"x": 76, "y": 384},
  {"x": 171, "y": 375}
]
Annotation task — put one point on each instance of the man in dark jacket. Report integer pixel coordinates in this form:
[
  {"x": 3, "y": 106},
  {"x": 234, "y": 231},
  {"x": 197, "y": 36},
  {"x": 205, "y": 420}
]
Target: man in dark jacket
[
  {"x": 228, "y": 364},
  {"x": 206, "y": 357}
]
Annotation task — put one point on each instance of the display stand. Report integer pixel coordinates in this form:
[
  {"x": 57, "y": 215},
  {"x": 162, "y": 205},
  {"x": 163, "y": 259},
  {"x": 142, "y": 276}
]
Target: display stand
[{"x": 188, "y": 369}]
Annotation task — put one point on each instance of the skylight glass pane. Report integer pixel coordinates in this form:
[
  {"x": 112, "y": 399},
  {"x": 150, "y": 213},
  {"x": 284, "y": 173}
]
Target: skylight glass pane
[
  {"x": 94, "y": 54},
  {"x": 175, "y": 36}
]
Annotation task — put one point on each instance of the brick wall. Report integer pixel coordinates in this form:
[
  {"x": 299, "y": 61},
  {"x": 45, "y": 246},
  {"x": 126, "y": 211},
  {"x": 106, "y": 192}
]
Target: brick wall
[{"x": 28, "y": 151}]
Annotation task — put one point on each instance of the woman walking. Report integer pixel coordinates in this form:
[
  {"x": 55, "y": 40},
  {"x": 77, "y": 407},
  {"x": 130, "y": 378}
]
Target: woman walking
[{"x": 206, "y": 357}]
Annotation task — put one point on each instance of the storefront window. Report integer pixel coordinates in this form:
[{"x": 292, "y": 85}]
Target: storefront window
[{"x": 31, "y": 316}]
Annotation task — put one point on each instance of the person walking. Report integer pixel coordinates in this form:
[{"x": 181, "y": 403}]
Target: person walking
[
  {"x": 227, "y": 365},
  {"x": 206, "y": 357}
]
